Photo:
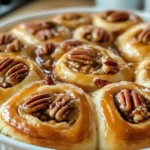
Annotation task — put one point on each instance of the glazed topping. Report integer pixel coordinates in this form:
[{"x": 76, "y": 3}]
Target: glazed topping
[
  {"x": 115, "y": 16},
  {"x": 46, "y": 49},
  {"x": 133, "y": 107},
  {"x": 9, "y": 43},
  {"x": 70, "y": 16},
  {"x": 97, "y": 35},
  {"x": 68, "y": 44},
  {"x": 87, "y": 60},
  {"x": 47, "y": 107},
  {"x": 12, "y": 72},
  {"x": 45, "y": 30},
  {"x": 99, "y": 82},
  {"x": 144, "y": 36}
]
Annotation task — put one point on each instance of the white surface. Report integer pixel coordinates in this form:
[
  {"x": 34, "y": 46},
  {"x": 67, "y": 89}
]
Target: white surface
[{"x": 7, "y": 143}]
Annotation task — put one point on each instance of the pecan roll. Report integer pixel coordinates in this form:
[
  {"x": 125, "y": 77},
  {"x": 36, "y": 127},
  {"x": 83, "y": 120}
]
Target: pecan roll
[
  {"x": 94, "y": 35},
  {"x": 133, "y": 107},
  {"x": 9, "y": 43},
  {"x": 115, "y": 21},
  {"x": 45, "y": 112},
  {"x": 84, "y": 64},
  {"x": 92, "y": 62},
  {"x": 12, "y": 72},
  {"x": 47, "y": 30},
  {"x": 144, "y": 36},
  {"x": 115, "y": 16}
]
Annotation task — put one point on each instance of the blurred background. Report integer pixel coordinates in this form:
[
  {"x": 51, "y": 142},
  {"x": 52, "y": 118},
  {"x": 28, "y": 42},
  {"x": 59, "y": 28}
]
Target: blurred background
[{"x": 14, "y": 8}]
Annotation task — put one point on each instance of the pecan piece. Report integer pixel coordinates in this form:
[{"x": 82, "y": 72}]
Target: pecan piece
[
  {"x": 85, "y": 56},
  {"x": 61, "y": 107},
  {"x": 99, "y": 82},
  {"x": 12, "y": 72},
  {"x": 48, "y": 80},
  {"x": 6, "y": 38},
  {"x": 144, "y": 36},
  {"x": 109, "y": 65},
  {"x": 46, "y": 49},
  {"x": 37, "y": 103},
  {"x": 115, "y": 16},
  {"x": 132, "y": 106},
  {"x": 98, "y": 35}
]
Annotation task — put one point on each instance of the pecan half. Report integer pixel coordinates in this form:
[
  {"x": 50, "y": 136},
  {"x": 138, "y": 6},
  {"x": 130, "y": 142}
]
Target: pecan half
[
  {"x": 12, "y": 72},
  {"x": 61, "y": 107},
  {"x": 144, "y": 36},
  {"x": 109, "y": 65},
  {"x": 83, "y": 56},
  {"x": 133, "y": 106},
  {"x": 9, "y": 43},
  {"x": 115, "y": 16},
  {"x": 68, "y": 44},
  {"x": 98, "y": 35},
  {"x": 46, "y": 49},
  {"x": 37, "y": 103},
  {"x": 99, "y": 82},
  {"x": 70, "y": 16}
]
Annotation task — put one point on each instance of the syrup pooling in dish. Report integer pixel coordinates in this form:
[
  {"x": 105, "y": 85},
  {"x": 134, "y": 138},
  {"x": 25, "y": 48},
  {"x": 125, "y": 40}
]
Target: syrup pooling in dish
[
  {"x": 92, "y": 62},
  {"x": 12, "y": 72},
  {"x": 133, "y": 107}
]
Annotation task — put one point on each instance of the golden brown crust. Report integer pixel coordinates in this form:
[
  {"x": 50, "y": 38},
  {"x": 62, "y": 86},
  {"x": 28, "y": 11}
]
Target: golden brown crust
[
  {"x": 133, "y": 44},
  {"x": 114, "y": 131},
  {"x": 115, "y": 21},
  {"x": 142, "y": 76},
  {"x": 60, "y": 135},
  {"x": 84, "y": 78}
]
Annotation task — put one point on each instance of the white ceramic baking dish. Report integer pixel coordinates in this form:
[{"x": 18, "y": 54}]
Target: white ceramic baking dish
[{"x": 7, "y": 143}]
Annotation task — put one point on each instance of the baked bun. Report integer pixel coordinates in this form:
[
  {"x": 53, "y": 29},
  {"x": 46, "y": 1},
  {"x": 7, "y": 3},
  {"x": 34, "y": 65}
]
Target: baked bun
[
  {"x": 72, "y": 20},
  {"x": 15, "y": 73},
  {"x": 142, "y": 75},
  {"x": 134, "y": 44},
  {"x": 123, "y": 114},
  {"x": 115, "y": 21},
  {"x": 11, "y": 44},
  {"x": 90, "y": 34},
  {"x": 54, "y": 116},
  {"x": 91, "y": 67},
  {"x": 39, "y": 32}
]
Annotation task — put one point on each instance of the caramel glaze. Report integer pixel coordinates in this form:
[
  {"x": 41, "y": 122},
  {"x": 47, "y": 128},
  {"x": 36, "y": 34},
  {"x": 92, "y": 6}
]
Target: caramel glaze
[
  {"x": 124, "y": 130},
  {"x": 44, "y": 132}
]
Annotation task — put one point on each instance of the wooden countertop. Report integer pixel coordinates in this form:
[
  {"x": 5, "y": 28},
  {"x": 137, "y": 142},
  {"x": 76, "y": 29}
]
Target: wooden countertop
[{"x": 40, "y": 5}]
